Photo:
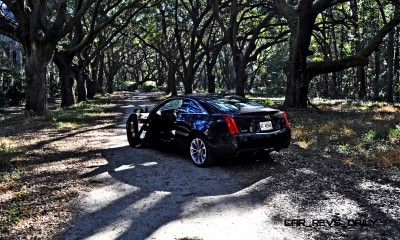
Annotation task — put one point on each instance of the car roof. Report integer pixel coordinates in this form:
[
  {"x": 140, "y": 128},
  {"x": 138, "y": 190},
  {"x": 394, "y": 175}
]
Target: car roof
[
  {"x": 209, "y": 97},
  {"x": 193, "y": 97}
]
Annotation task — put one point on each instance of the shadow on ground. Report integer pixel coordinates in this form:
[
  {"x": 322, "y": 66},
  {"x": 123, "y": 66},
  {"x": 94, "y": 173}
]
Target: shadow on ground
[
  {"x": 159, "y": 194},
  {"x": 150, "y": 188}
]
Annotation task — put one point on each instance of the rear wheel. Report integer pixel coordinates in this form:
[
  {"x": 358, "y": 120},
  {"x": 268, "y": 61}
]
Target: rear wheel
[
  {"x": 200, "y": 152},
  {"x": 132, "y": 130}
]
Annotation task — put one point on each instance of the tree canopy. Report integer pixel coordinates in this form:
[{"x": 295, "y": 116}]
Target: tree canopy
[{"x": 296, "y": 49}]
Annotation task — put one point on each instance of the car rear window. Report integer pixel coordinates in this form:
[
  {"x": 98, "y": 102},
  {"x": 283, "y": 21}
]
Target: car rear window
[{"x": 232, "y": 105}]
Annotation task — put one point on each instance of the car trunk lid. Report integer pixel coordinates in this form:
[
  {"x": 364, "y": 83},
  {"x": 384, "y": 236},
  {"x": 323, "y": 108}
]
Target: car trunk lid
[{"x": 259, "y": 120}]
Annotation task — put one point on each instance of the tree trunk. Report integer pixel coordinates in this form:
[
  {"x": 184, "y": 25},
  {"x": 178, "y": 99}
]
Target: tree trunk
[
  {"x": 101, "y": 75},
  {"x": 80, "y": 83},
  {"x": 37, "y": 58},
  {"x": 241, "y": 79},
  {"x": 390, "y": 67},
  {"x": 211, "y": 60},
  {"x": 297, "y": 78},
  {"x": 397, "y": 65},
  {"x": 334, "y": 87},
  {"x": 188, "y": 80},
  {"x": 228, "y": 72},
  {"x": 110, "y": 79},
  {"x": 239, "y": 64},
  {"x": 377, "y": 74},
  {"x": 171, "y": 88},
  {"x": 113, "y": 68},
  {"x": 92, "y": 83},
  {"x": 160, "y": 70},
  {"x": 333, "y": 93},
  {"x": 210, "y": 79},
  {"x": 325, "y": 83},
  {"x": 361, "y": 80},
  {"x": 64, "y": 65}
]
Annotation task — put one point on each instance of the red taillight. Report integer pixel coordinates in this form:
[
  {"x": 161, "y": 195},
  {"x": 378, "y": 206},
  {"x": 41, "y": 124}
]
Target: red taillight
[
  {"x": 231, "y": 124},
  {"x": 286, "y": 120}
]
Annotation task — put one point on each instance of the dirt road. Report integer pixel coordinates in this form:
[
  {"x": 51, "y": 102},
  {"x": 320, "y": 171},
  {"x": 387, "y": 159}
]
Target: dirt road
[{"x": 154, "y": 193}]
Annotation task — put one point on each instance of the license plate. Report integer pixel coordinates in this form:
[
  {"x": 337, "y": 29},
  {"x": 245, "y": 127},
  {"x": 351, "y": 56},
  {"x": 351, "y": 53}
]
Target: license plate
[{"x": 265, "y": 126}]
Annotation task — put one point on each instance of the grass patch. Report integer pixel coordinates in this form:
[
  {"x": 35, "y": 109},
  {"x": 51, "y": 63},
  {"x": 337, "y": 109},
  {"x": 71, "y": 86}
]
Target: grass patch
[
  {"x": 8, "y": 177},
  {"x": 352, "y": 136},
  {"x": 6, "y": 145},
  {"x": 394, "y": 134},
  {"x": 74, "y": 118},
  {"x": 7, "y": 151},
  {"x": 81, "y": 114},
  {"x": 11, "y": 211},
  {"x": 354, "y": 105},
  {"x": 10, "y": 214}
]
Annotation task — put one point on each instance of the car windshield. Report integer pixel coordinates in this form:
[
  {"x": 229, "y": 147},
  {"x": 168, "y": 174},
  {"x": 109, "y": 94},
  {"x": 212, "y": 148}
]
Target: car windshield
[{"x": 233, "y": 105}]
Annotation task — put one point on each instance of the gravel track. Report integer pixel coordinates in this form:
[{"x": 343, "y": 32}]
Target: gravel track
[{"x": 154, "y": 193}]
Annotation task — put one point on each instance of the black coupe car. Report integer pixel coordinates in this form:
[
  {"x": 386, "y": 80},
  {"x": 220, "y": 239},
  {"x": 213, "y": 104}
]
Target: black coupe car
[{"x": 211, "y": 127}]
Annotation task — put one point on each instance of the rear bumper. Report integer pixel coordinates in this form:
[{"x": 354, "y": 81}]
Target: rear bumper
[{"x": 248, "y": 143}]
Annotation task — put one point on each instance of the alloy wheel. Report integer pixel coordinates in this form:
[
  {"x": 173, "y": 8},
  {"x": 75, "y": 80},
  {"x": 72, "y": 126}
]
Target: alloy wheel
[{"x": 198, "y": 151}]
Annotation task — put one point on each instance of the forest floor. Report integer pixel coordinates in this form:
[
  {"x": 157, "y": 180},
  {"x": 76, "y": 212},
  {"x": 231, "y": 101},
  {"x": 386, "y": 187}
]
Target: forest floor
[{"x": 73, "y": 176}]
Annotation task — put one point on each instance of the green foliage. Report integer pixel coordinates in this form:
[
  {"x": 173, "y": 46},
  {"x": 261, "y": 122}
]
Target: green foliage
[
  {"x": 10, "y": 214},
  {"x": 369, "y": 136},
  {"x": 148, "y": 86},
  {"x": 394, "y": 134},
  {"x": 7, "y": 148},
  {"x": 268, "y": 102}
]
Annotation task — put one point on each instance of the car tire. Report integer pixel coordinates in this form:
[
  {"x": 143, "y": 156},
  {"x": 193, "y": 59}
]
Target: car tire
[
  {"x": 132, "y": 130},
  {"x": 200, "y": 152}
]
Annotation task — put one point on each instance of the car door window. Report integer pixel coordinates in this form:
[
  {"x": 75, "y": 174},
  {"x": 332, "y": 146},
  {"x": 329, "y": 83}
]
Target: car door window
[
  {"x": 189, "y": 106},
  {"x": 173, "y": 104}
]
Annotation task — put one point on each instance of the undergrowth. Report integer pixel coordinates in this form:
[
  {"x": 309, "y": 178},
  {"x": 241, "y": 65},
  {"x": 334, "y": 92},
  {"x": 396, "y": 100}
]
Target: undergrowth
[{"x": 354, "y": 137}]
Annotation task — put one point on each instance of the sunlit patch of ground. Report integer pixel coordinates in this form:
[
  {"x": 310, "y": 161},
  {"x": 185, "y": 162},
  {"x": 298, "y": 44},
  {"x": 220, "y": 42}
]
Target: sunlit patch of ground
[{"x": 40, "y": 163}]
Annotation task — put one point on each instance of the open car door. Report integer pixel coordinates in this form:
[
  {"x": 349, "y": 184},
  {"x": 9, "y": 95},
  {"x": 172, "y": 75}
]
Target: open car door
[{"x": 134, "y": 127}]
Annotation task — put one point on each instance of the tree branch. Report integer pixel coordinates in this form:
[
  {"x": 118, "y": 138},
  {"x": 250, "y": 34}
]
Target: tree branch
[{"x": 358, "y": 59}]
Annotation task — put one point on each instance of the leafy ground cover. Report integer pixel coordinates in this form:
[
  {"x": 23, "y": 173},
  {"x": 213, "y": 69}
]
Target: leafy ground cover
[
  {"x": 40, "y": 162},
  {"x": 42, "y": 158},
  {"x": 362, "y": 134}
]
